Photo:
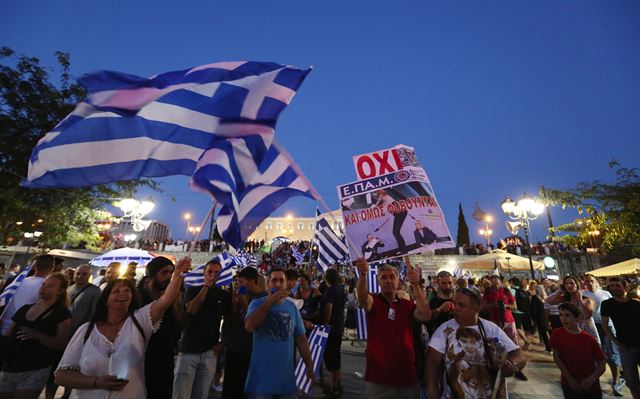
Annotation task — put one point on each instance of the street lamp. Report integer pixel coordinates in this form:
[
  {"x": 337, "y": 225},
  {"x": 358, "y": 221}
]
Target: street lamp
[
  {"x": 487, "y": 234},
  {"x": 32, "y": 237},
  {"x": 136, "y": 211},
  {"x": 128, "y": 238},
  {"x": 524, "y": 210}
]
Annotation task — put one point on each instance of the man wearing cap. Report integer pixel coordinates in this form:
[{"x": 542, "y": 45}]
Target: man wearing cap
[
  {"x": 206, "y": 306},
  {"x": 238, "y": 342},
  {"x": 158, "y": 361}
]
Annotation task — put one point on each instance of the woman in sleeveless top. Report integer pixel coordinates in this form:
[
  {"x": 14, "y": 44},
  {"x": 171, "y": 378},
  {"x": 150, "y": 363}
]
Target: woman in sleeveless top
[{"x": 570, "y": 292}]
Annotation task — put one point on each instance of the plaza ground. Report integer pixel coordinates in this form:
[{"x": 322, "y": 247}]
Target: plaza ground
[{"x": 544, "y": 376}]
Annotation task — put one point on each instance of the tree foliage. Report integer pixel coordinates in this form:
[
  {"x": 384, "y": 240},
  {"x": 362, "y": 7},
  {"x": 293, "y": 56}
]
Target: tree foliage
[
  {"x": 463, "y": 230},
  {"x": 30, "y": 106},
  {"x": 610, "y": 209}
]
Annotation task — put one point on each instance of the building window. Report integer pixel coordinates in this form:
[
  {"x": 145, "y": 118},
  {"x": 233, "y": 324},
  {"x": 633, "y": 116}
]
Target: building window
[
  {"x": 268, "y": 225},
  {"x": 278, "y": 226},
  {"x": 300, "y": 226},
  {"x": 312, "y": 226}
]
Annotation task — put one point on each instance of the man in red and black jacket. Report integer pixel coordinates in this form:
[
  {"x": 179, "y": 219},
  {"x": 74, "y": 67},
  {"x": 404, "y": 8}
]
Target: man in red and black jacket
[{"x": 391, "y": 371}]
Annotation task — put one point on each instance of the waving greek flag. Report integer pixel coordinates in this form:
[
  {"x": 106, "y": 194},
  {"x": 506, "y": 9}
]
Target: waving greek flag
[
  {"x": 250, "y": 177},
  {"x": 331, "y": 248},
  {"x": 131, "y": 127},
  {"x": 196, "y": 276},
  {"x": 317, "y": 344},
  {"x": 10, "y": 290}
]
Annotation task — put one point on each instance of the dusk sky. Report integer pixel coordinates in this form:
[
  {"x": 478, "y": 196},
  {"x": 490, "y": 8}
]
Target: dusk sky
[{"x": 497, "y": 98}]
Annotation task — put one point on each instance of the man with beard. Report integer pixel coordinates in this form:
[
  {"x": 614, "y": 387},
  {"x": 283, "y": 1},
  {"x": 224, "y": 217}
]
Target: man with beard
[
  {"x": 158, "y": 362},
  {"x": 206, "y": 306},
  {"x": 441, "y": 302}
]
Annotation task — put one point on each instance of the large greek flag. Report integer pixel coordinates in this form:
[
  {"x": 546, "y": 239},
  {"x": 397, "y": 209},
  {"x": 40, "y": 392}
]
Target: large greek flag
[
  {"x": 131, "y": 127},
  {"x": 317, "y": 344},
  {"x": 331, "y": 248},
  {"x": 10, "y": 290}
]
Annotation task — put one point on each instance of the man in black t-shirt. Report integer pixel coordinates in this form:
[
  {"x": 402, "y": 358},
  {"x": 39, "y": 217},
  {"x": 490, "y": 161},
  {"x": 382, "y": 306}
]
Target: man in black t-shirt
[
  {"x": 441, "y": 302},
  {"x": 159, "y": 356},
  {"x": 332, "y": 313},
  {"x": 206, "y": 306},
  {"x": 238, "y": 342},
  {"x": 624, "y": 313}
]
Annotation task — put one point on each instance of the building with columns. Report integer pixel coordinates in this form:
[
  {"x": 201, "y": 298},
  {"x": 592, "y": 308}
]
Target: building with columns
[{"x": 295, "y": 228}]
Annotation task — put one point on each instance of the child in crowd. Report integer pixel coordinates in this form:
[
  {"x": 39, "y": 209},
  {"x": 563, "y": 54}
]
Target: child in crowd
[{"x": 577, "y": 355}]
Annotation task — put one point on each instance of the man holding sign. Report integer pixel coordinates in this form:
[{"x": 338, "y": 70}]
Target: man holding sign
[{"x": 391, "y": 371}]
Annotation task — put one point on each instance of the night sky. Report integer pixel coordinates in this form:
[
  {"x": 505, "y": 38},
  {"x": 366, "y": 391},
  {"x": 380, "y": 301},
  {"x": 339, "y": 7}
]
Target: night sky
[{"x": 497, "y": 98}]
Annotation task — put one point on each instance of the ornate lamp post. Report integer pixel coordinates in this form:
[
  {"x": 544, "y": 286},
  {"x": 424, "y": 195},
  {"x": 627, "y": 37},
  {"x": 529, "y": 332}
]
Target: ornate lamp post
[{"x": 524, "y": 210}]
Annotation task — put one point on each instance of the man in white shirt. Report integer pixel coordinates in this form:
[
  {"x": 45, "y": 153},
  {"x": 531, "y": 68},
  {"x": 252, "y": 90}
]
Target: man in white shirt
[
  {"x": 27, "y": 292},
  {"x": 475, "y": 350}
]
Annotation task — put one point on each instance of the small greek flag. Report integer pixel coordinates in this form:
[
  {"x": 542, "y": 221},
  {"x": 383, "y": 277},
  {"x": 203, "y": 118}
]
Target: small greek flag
[
  {"x": 372, "y": 278},
  {"x": 10, "y": 291},
  {"x": 297, "y": 255},
  {"x": 317, "y": 344},
  {"x": 196, "y": 276},
  {"x": 361, "y": 326}
]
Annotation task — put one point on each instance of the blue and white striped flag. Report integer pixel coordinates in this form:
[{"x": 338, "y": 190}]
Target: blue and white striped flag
[
  {"x": 372, "y": 278},
  {"x": 331, "y": 248},
  {"x": 361, "y": 326},
  {"x": 131, "y": 127},
  {"x": 299, "y": 257},
  {"x": 317, "y": 344},
  {"x": 9, "y": 291},
  {"x": 250, "y": 177},
  {"x": 196, "y": 276}
]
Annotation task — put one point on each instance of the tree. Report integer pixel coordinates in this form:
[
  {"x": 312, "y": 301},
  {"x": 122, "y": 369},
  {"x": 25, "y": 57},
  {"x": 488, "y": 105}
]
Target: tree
[
  {"x": 463, "y": 230},
  {"x": 611, "y": 212},
  {"x": 30, "y": 106}
]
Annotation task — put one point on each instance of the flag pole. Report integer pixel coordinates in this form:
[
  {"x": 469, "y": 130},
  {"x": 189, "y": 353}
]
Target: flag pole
[
  {"x": 316, "y": 195},
  {"x": 195, "y": 239},
  {"x": 326, "y": 208}
]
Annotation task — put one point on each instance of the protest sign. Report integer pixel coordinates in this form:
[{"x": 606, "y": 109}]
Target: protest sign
[
  {"x": 393, "y": 215},
  {"x": 385, "y": 161}
]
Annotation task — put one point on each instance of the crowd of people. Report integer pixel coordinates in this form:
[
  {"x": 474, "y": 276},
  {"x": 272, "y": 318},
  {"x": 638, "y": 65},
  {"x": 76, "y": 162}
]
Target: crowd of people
[{"x": 445, "y": 336}]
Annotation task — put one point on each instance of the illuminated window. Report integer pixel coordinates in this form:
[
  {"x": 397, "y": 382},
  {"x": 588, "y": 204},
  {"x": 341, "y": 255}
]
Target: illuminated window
[
  {"x": 268, "y": 225},
  {"x": 300, "y": 226}
]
